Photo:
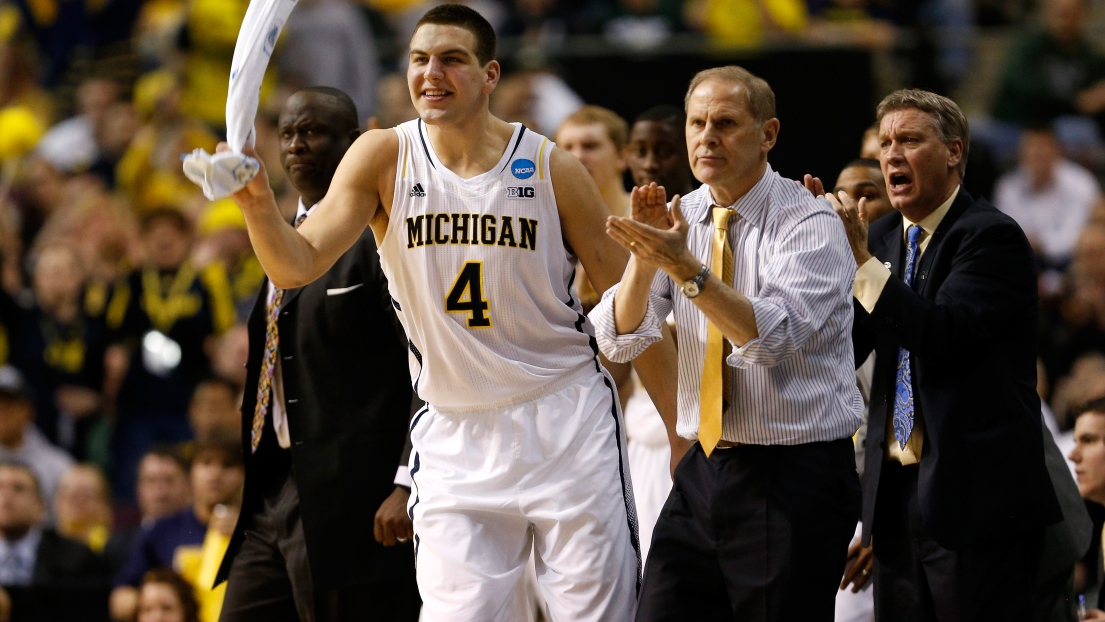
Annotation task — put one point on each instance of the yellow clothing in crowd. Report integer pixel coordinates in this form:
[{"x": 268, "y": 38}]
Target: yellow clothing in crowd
[{"x": 740, "y": 23}]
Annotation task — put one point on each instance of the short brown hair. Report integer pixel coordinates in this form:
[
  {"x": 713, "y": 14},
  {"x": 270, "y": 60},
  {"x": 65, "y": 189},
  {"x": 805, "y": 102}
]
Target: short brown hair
[
  {"x": 617, "y": 130},
  {"x": 468, "y": 19},
  {"x": 184, "y": 591},
  {"x": 761, "y": 99},
  {"x": 1096, "y": 406},
  {"x": 946, "y": 116}
]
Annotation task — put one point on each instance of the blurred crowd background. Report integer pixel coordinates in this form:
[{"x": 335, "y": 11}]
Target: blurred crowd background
[{"x": 123, "y": 292}]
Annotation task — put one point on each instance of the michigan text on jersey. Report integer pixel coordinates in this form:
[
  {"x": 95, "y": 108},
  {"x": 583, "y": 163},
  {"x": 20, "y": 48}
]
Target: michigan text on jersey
[{"x": 471, "y": 229}]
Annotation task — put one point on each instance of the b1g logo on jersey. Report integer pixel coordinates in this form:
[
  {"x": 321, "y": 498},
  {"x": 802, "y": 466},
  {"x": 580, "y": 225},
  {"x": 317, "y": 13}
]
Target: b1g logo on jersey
[
  {"x": 520, "y": 192},
  {"x": 523, "y": 168}
]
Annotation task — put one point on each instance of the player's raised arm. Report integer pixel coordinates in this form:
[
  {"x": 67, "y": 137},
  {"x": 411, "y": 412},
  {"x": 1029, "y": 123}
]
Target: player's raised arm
[
  {"x": 293, "y": 258},
  {"x": 583, "y": 219}
]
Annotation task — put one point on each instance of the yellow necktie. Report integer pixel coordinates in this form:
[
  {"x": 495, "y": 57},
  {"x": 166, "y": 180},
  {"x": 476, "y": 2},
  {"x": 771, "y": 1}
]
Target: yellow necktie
[{"x": 714, "y": 392}]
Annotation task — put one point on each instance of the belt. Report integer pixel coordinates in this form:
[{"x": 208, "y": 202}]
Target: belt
[{"x": 729, "y": 444}]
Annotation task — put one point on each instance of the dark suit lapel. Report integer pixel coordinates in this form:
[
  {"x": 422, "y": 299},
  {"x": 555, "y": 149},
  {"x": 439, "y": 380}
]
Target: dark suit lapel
[
  {"x": 889, "y": 250},
  {"x": 290, "y": 295},
  {"x": 960, "y": 205}
]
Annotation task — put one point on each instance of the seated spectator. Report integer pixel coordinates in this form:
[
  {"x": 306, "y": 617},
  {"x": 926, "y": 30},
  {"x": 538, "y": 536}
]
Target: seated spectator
[
  {"x": 641, "y": 24},
  {"x": 657, "y": 150},
  {"x": 176, "y": 541},
  {"x": 48, "y": 576},
  {"x": 1051, "y": 198},
  {"x": 229, "y": 354},
  {"x": 1074, "y": 325},
  {"x": 83, "y": 506},
  {"x": 163, "y": 490},
  {"x": 223, "y": 239},
  {"x": 162, "y": 315},
  {"x": 538, "y": 98},
  {"x": 1051, "y": 73},
  {"x": 166, "y": 597},
  {"x": 21, "y": 441},
  {"x": 214, "y": 410}
]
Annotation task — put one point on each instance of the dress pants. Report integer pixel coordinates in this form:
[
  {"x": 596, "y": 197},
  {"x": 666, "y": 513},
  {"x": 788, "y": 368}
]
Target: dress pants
[
  {"x": 270, "y": 579},
  {"x": 753, "y": 533},
  {"x": 917, "y": 580}
]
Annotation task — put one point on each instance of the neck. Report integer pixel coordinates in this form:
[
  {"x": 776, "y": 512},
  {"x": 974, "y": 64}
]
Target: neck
[
  {"x": 471, "y": 148},
  {"x": 730, "y": 191},
  {"x": 311, "y": 199},
  {"x": 64, "y": 311},
  {"x": 616, "y": 198}
]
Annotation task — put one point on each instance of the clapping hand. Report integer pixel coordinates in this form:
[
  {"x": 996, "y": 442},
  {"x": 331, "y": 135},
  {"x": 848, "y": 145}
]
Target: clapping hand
[
  {"x": 851, "y": 213},
  {"x": 655, "y": 234}
]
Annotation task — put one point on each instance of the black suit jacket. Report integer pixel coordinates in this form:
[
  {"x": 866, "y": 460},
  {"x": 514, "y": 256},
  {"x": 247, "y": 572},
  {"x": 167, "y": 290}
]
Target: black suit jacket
[
  {"x": 70, "y": 583},
  {"x": 348, "y": 397},
  {"x": 969, "y": 322}
]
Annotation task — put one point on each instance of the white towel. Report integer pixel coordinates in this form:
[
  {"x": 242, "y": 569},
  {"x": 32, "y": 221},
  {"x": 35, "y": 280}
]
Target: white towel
[{"x": 223, "y": 174}]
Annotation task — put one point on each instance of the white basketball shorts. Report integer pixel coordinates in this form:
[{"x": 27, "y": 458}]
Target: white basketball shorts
[{"x": 549, "y": 476}]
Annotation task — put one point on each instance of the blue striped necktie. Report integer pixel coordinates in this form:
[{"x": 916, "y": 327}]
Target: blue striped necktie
[{"x": 903, "y": 390}]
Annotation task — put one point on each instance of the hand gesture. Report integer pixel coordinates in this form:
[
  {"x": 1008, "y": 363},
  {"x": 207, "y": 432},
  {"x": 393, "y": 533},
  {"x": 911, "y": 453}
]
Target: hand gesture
[
  {"x": 258, "y": 187},
  {"x": 659, "y": 241},
  {"x": 854, "y": 217},
  {"x": 649, "y": 205},
  {"x": 814, "y": 185}
]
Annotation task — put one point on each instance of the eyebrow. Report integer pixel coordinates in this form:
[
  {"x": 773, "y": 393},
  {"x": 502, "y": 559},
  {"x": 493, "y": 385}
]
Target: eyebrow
[{"x": 461, "y": 51}]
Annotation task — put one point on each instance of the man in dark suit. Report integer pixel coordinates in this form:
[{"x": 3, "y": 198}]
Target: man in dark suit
[
  {"x": 48, "y": 576},
  {"x": 956, "y": 492},
  {"x": 323, "y": 438}
]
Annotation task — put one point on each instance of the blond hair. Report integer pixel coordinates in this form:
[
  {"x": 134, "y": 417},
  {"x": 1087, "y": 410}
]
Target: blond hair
[
  {"x": 617, "y": 130},
  {"x": 947, "y": 118},
  {"x": 761, "y": 99}
]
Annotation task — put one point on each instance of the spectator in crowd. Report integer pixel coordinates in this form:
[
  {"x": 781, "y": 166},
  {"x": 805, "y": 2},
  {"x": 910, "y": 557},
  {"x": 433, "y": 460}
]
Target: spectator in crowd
[
  {"x": 1074, "y": 327},
  {"x": 176, "y": 541},
  {"x": 640, "y": 24},
  {"x": 537, "y": 98},
  {"x": 163, "y": 315},
  {"x": 19, "y": 65},
  {"x": 229, "y": 354},
  {"x": 1050, "y": 74},
  {"x": 1051, "y": 198},
  {"x": 786, "y": 329},
  {"x": 21, "y": 441},
  {"x": 747, "y": 23},
  {"x": 869, "y": 147},
  {"x": 60, "y": 348},
  {"x": 74, "y": 145},
  {"x": 657, "y": 150},
  {"x": 166, "y": 597},
  {"x": 49, "y": 576},
  {"x": 163, "y": 485},
  {"x": 149, "y": 173},
  {"x": 955, "y": 340},
  {"x": 214, "y": 409},
  {"x": 395, "y": 105},
  {"x": 223, "y": 239},
  {"x": 82, "y": 506}
]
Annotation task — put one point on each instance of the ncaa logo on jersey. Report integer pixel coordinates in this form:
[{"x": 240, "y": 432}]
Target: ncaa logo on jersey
[
  {"x": 523, "y": 168},
  {"x": 520, "y": 192}
]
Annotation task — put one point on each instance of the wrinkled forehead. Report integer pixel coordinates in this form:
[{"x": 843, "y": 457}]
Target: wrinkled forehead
[{"x": 907, "y": 120}]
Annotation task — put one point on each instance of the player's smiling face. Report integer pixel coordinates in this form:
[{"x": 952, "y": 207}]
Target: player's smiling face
[{"x": 446, "y": 79}]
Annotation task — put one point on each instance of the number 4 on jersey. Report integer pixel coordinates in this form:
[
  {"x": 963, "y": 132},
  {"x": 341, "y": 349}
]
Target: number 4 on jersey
[{"x": 466, "y": 296}]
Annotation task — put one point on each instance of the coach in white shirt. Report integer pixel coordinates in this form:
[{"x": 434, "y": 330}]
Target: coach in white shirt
[{"x": 764, "y": 504}]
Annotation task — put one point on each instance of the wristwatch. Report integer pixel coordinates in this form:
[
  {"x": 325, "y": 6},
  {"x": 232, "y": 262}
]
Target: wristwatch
[{"x": 693, "y": 287}]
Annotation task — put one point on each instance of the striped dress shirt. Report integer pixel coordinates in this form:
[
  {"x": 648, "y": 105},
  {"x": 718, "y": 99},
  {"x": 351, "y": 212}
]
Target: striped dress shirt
[{"x": 795, "y": 383}]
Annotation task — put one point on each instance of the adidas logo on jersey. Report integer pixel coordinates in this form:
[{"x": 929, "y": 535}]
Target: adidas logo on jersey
[
  {"x": 417, "y": 191},
  {"x": 520, "y": 192}
]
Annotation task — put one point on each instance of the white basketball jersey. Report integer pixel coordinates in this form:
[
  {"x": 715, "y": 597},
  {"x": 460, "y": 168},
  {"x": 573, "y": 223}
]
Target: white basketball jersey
[{"x": 481, "y": 277}]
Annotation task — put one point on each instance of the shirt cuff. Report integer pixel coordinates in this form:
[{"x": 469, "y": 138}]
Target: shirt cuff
[
  {"x": 871, "y": 278},
  {"x": 403, "y": 477},
  {"x": 626, "y": 347},
  {"x": 768, "y": 317}
]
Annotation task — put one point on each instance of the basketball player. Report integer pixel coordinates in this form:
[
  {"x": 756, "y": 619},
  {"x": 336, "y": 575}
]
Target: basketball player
[{"x": 521, "y": 446}]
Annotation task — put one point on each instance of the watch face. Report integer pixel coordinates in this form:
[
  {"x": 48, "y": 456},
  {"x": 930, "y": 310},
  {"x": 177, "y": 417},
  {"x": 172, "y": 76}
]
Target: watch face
[{"x": 690, "y": 289}]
